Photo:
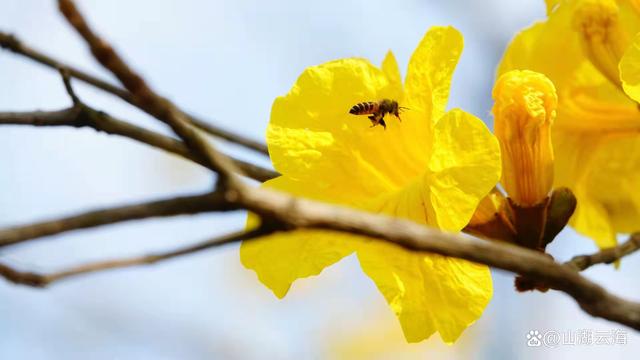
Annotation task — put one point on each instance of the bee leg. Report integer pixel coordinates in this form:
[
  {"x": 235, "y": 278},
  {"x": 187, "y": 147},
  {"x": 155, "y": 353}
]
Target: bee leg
[
  {"x": 374, "y": 121},
  {"x": 384, "y": 124},
  {"x": 397, "y": 114}
]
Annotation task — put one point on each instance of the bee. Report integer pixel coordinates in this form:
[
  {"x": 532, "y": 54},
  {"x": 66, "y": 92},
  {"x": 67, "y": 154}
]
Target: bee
[{"x": 377, "y": 110}]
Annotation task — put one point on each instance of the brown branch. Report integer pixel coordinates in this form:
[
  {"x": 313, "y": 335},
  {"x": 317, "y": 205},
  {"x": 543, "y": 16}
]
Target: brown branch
[
  {"x": 147, "y": 99},
  {"x": 606, "y": 256},
  {"x": 42, "y": 280},
  {"x": 100, "y": 121},
  {"x": 300, "y": 213},
  {"x": 13, "y": 44},
  {"x": 184, "y": 205}
]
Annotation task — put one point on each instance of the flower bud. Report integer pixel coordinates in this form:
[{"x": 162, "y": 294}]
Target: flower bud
[{"x": 524, "y": 109}]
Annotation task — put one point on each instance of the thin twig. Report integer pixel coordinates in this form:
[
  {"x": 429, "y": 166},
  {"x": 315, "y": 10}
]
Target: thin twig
[
  {"x": 148, "y": 99},
  {"x": 606, "y": 256},
  {"x": 183, "y": 205},
  {"x": 42, "y": 280},
  {"x": 15, "y": 45},
  {"x": 66, "y": 79},
  {"x": 100, "y": 121}
]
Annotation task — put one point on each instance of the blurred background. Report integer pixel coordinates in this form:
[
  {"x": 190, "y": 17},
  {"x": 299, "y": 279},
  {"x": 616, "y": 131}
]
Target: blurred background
[{"x": 227, "y": 61}]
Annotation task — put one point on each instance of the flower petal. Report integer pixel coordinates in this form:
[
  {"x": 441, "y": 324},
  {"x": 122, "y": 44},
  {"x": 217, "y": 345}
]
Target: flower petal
[
  {"x": 610, "y": 187},
  {"x": 282, "y": 258},
  {"x": 630, "y": 70},
  {"x": 313, "y": 137},
  {"x": 464, "y": 167},
  {"x": 551, "y": 5},
  {"x": 537, "y": 47},
  {"x": 591, "y": 219},
  {"x": 391, "y": 69},
  {"x": 430, "y": 70},
  {"x": 427, "y": 292}
]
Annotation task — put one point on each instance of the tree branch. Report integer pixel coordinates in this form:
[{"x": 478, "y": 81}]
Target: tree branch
[
  {"x": 299, "y": 213},
  {"x": 606, "y": 256},
  {"x": 43, "y": 280},
  {"x": 184, "y": 205},
  {"x": 100, "y": 121},
  {"x": 147, "y": 99},
  {"x": 13, "y": 44}
]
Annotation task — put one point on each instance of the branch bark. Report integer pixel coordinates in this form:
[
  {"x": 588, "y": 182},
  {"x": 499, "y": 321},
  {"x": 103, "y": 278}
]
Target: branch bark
[
  {"x": 606, "y": 256},
  {"x": 100, "y": 121},
  {"x": 183, "y": 205},
  {"x": 300, "y": 213},
  {"x": 147, "y": 99},
  {"x": 15, "y": 45},
  {"x": 42, "y": 280}
]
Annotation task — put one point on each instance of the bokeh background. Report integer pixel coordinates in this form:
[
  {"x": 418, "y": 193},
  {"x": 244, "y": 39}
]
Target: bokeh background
[{"x": 227, "y": 61}]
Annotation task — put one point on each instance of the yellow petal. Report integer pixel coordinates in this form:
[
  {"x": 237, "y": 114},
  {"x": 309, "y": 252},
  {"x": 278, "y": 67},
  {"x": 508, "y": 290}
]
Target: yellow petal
[
  {"x": 630, "y": 70},
  {"x": 603, "y": 172},
  {"x": 551, "y": 5},
  {"x": 282, "y": 258},
  {"x": 614, "y": 178},
  {"x": 573, "y": 166},
  {"x": 521, "y": 51},
  {"x": 464, "y": 167},
  {"x": 313, "y": 137},
  {"x": 427, "y": 292},
  {"x": 391, "y": 69},
  {"x": 430, "y": 70},
  {"x": 591, "y": 219},
  {"x": 538, "y": 47}
]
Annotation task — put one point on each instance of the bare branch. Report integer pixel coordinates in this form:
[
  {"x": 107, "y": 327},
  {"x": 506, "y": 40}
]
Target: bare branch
[
  {"x": 100, "y": 121},
  {"x": 16, "y": 46},
  {"x": 43, "y": 280},
  {"x": 67, "y": 85},
  {"x": 606, "y": 256},
  {"x": 147, "y": 98},
  {"x": 160, "y": 208}
]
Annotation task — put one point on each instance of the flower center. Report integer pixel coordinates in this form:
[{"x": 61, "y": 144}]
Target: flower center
[
  {"x": 524, "y": 109},
  {"x": 603, "y": 38}
]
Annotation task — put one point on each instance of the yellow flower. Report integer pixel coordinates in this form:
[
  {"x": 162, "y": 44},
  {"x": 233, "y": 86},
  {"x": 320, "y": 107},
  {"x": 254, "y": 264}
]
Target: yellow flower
[
  {"x": 589, "y": 49},
  {"x": 432, "y": 168}
]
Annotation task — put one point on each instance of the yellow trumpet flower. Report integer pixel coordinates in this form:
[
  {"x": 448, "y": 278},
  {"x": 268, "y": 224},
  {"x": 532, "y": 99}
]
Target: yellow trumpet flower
[
  {"x": 590, "y": 50},
  {"x": 433, "y": 167}
]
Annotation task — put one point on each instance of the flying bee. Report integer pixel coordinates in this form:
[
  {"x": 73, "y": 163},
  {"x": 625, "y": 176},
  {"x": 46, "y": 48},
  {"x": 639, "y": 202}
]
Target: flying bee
[{"x": 377, "y": 110}]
